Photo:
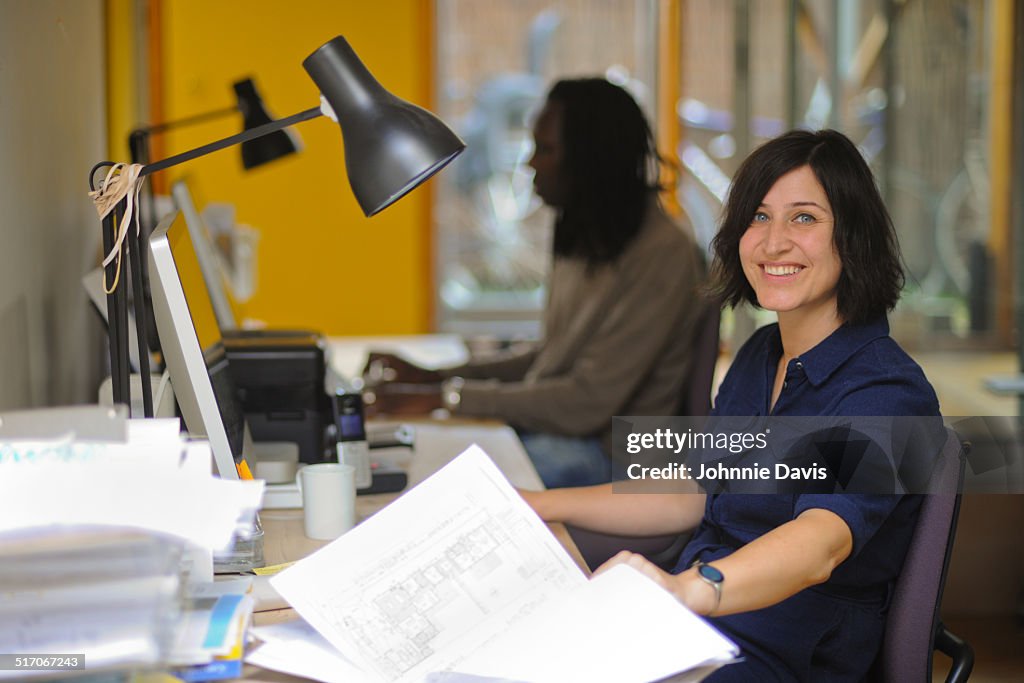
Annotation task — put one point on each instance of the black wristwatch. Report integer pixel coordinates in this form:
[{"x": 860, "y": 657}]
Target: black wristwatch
[{"x": 714, "y": 578}]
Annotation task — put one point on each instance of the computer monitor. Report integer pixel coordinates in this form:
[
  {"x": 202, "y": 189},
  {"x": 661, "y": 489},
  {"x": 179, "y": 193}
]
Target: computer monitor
[
  {"x": 206, "y": 253},
  {"x": 192, "y": 344}
]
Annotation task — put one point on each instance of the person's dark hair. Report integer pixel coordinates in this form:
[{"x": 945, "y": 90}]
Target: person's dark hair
[
  {"x": 863, "y": 234},
  {"x": 610, "y": 164}
]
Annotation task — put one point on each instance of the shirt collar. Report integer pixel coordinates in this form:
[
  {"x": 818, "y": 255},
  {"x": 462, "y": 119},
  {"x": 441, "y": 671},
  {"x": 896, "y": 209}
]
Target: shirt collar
[{"x": 820, "y": 362}]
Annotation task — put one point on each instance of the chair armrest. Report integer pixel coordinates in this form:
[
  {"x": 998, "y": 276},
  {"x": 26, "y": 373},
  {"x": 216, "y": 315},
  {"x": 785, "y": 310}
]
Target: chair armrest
[
  {"x": 597, "y": 548},
  {"x": 959, "y": 650}
]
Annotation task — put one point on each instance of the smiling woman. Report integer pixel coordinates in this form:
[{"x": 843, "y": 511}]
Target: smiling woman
[
  {"x": 800, "y": 581},
  {"x": 788, "y": 255},
  {"x": 807, "y": 235},
  {"x": 807, "y": 168}
]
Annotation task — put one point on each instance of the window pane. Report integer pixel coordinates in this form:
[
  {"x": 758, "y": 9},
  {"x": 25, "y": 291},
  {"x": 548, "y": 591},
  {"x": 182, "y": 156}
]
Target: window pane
[
  {"x": 496, "y": 61},
  {"x": 911, "y": 89}
]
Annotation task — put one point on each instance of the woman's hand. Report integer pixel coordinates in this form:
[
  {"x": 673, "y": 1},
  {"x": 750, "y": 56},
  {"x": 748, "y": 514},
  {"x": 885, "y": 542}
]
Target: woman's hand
[
  {"x": 686, "y": 587},
  {"x": 796, "y": 555}
]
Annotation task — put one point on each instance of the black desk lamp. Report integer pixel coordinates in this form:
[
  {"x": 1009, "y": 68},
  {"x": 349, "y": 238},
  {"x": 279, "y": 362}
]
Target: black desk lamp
[
  {"x": 391, "y": 146},
  {"x": 255, "y": 152},
  {"x": 254, "y": 114}
]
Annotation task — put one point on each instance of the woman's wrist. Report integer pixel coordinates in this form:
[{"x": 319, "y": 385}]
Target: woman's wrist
[{"x": 698, "y": 595}]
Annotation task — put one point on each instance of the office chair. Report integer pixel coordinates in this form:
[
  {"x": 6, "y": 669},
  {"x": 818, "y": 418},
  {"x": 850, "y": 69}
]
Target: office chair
[
  {"x": 597, "y": 548},
  {"x": 696, "y": 398},
  {"x": 913, "y": 628}
]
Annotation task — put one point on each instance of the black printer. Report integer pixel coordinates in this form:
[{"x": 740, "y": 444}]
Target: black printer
[{"x": 279, "y": 378}]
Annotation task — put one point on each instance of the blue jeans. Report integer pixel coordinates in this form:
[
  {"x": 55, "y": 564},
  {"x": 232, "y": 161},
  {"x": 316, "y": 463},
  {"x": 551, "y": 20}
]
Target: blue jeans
[{"x": 567, "y": 460}]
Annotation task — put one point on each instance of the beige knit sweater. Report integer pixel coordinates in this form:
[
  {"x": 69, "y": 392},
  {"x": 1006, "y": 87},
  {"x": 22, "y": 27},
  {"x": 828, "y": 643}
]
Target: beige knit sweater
[{"x": 616, "y": 342}]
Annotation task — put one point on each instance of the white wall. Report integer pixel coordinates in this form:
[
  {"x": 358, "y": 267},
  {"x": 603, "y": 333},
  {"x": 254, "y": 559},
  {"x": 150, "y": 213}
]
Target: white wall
[{"x": 52, "y": 130}]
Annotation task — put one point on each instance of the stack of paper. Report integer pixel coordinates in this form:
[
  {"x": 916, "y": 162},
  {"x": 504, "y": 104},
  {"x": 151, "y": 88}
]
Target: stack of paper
[
  {"x": 153, "y": 481},
  {"x": 460, "y": 576},
  {"x": 98, "y": 540},
  {"x": 112, "y": 596}
]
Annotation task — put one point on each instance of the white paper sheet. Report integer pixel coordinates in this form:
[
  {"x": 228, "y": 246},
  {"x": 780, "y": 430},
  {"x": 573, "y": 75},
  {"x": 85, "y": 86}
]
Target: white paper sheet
[
  {"x": 431, "y": 578},
  {"x": 620, "y": 627},
  {"x": 152, "y": 486},
  {"x": 460, "y": 577},
  {"x": 295, "y": 648}
]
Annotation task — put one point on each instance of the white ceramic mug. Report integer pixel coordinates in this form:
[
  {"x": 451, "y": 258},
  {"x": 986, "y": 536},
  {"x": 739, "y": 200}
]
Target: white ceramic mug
[{"x": 328, "y": 499}]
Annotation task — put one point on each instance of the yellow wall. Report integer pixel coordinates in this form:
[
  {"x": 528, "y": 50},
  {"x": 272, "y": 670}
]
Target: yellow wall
[
  {"x": 120, "y": 52},
  {"x": 322, "y": 265}
]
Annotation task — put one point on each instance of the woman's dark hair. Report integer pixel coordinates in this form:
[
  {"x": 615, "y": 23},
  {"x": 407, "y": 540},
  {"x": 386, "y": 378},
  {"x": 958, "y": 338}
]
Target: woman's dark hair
[
  {"x": 863, "y": 234},
  {"x": 610, "y": 164}
]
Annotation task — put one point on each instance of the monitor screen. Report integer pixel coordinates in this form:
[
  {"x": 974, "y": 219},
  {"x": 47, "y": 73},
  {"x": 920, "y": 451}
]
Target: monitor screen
[
  {"x": 206, "y": 256},
  {"x": 191, "y": 342}
]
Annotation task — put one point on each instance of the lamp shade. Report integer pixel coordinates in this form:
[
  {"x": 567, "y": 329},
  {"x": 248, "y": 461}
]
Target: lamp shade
[
  {"x": 391, "y": 145},
  {"x": 254, "y": 113}
]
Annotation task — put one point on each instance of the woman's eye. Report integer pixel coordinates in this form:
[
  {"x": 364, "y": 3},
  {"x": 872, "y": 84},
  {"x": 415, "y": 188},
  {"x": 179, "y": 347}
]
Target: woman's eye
[
  {"x": 759, "y": 217},
  {"x": 804, "y": 218}
]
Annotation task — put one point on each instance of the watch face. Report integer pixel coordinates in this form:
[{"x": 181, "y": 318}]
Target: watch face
[{"x": 710, "y": 573}]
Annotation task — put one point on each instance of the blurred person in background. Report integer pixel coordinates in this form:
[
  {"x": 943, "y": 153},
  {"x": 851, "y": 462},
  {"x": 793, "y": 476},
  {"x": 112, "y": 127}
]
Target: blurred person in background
[{"x": 623, "y": 298}]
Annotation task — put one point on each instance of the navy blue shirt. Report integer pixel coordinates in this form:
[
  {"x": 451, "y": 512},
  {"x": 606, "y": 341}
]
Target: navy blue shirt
[{"x": 859, "y": 370}]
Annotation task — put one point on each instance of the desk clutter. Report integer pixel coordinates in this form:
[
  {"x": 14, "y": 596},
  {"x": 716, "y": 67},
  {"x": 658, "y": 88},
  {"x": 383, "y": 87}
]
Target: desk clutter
[
  {"x": 63, "y": 588},
  {"x": 456, "y": 580},
  {"x": 452, "y": 581},
  {"x": 109, "y": 529},
  {"x": 278, "y": 464}
]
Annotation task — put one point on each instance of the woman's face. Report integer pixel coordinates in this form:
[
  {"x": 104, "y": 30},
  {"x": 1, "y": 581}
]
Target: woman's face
[
  {"x": 787, "y": 252},
  {"x": 548, "y": 177}
]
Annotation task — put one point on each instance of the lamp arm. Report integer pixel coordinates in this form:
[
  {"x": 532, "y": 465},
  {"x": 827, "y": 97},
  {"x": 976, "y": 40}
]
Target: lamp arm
[
  {"x": 187, "y": 121},
  {"x": 138, "y": 138},
  {"x": 244, "y": 136}
]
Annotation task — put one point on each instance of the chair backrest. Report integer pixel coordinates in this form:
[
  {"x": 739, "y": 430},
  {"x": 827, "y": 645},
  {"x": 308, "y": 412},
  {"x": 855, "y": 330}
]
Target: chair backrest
[
  {"x": 913, "y": 619},
  {"x": 696, "y": 398}
]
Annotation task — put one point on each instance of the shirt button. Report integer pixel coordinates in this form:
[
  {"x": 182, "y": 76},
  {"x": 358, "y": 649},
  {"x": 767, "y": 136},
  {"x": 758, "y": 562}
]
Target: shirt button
[
  {"x": 799, "y": 364},
  {"x": 785, "y": 384}
]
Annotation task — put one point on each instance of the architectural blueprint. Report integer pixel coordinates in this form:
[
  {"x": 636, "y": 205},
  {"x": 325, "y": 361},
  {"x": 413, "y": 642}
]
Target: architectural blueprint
[{"x": 435, "y": 576}]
